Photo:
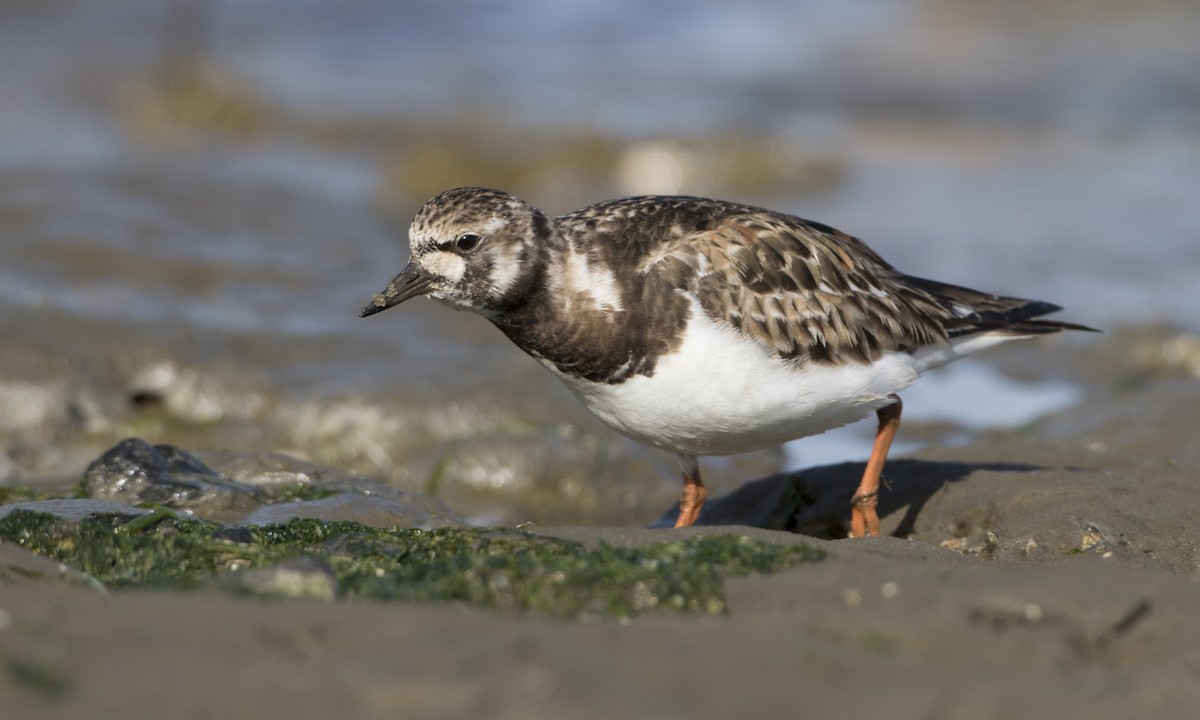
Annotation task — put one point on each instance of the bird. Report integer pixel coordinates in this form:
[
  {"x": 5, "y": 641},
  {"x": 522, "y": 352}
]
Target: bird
[{"x": 703, "y": 327}]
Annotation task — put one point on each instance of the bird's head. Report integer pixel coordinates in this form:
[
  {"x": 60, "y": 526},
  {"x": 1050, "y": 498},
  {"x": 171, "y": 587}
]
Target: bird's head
[{"x": 473, "y": 249}]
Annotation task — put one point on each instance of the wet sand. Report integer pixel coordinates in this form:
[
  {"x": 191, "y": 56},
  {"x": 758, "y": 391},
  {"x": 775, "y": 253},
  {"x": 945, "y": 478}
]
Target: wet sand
[
  {"x": 1047, "y": 571},
  {"x": 884, "y": 626}
]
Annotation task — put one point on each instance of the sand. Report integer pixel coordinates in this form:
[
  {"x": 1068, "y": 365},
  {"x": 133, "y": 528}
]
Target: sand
[
  {"x": 888, "y": 626},
  {"x": 1048, "y": 571}
]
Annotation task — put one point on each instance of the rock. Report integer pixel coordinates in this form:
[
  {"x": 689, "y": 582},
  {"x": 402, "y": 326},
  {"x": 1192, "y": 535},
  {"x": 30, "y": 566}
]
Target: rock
[
  {"x": 134, "y": 471},
  {"x": 254, "y": 488}
]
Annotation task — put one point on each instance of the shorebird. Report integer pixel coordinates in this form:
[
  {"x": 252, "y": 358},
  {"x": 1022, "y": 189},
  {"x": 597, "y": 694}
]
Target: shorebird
[{"x": 704, "y": 327}]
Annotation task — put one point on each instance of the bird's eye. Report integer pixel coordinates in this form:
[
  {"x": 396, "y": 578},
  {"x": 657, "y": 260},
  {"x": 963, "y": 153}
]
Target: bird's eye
[{"x": 467, "y": 242}]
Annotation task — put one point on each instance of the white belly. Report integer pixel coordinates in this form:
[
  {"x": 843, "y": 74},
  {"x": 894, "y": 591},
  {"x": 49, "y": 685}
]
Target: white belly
[{"x": 723, "y": 394}]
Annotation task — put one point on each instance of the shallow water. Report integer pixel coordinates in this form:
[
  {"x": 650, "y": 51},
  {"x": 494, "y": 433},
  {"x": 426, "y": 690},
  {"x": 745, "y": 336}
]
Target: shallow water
[{"x": 246, "y": 172}]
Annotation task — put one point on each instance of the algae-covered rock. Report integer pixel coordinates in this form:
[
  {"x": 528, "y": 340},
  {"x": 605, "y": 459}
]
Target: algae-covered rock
[
  {"x": 499, "y": 569},
  {"x": 268, "y": 551}
]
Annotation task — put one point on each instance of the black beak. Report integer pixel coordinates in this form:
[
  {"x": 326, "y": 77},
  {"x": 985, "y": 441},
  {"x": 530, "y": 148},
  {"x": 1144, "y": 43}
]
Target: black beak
[{"x": 411, "y": 282}]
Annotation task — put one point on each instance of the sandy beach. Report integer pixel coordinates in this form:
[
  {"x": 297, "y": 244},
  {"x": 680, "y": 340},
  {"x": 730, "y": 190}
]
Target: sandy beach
[{"x": 1047, "y": 571}]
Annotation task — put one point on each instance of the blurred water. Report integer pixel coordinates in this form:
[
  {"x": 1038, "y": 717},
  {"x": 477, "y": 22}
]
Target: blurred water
[
  {"x": 1046, "y": 149},
  {"x": 1041, "y": 150}
]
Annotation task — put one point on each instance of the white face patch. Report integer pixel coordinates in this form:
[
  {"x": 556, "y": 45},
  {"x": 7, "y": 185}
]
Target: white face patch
[{"x": 445, "y": 265}]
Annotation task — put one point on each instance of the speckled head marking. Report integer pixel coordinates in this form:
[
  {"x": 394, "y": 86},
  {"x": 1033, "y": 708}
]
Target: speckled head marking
[{"x": 473, "y": 249}]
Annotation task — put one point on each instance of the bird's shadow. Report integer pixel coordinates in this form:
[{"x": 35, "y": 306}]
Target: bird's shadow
[{"x": 816, "y": 501}]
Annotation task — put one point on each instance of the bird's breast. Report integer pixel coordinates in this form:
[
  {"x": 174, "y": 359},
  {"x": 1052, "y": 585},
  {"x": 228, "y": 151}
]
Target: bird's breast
[{"x": 720, "y": 392}]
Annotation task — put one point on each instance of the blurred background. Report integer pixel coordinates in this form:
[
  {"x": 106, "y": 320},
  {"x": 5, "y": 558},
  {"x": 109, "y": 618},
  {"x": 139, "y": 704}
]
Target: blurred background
[{"x": 197, "y": 197}]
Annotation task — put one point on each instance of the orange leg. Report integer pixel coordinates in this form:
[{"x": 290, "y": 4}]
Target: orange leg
[
  {"x": 693, "y": 494},
  {"x": 863, "y": 519}
]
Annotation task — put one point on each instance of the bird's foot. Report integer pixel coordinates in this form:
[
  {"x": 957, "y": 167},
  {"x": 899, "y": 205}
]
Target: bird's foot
[{"x": 864, "y": 521}]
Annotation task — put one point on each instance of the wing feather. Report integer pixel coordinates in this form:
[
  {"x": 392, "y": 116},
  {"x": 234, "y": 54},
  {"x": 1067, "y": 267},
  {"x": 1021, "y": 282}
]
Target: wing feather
[{"x": 806, "y": 291}]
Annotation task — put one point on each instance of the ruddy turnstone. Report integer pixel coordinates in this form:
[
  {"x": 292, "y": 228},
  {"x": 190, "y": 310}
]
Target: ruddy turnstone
[{"x": 704, "y": 327}]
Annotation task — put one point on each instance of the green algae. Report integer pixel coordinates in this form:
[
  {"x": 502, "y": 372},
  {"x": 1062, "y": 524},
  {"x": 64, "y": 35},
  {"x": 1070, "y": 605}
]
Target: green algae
[
  {"x": 143, "y": 523},
  {"x": 506, "y": 570}
]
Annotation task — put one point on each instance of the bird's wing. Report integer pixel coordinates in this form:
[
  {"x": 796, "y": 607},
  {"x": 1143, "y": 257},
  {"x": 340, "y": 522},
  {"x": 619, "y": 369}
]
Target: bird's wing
[{"x": 804, "y": 290}]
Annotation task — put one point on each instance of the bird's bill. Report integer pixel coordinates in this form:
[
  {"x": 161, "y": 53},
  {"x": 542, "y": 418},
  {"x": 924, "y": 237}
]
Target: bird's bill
[{"x": 411, "y": 282}]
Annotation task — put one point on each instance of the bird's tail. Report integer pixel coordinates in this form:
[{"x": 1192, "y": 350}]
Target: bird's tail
[{"x": 970, "y": 312}]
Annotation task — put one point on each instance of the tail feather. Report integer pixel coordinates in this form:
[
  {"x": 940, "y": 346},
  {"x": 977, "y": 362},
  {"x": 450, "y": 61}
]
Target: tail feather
[{"x": 969, "y": 312}]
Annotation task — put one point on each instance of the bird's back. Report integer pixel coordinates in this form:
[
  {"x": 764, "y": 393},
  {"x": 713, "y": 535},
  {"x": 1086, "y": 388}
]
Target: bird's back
[{"x": 805, "y": 291}]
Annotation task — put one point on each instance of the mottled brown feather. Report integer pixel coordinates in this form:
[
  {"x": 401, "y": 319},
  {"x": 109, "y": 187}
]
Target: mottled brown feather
[
  {"x": 807, "y": 292},
  {"x": 804, "y": 291}
]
